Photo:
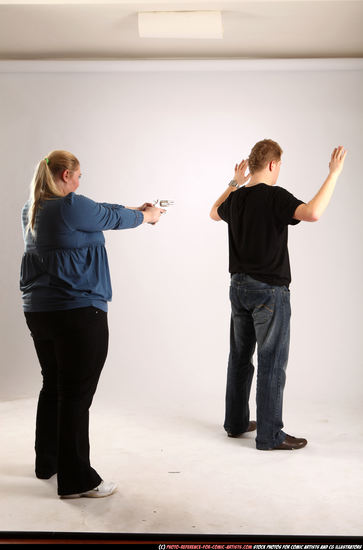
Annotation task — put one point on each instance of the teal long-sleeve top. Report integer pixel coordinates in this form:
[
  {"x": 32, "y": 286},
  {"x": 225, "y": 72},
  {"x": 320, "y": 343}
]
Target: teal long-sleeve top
[{"x": 64, "y": 265}]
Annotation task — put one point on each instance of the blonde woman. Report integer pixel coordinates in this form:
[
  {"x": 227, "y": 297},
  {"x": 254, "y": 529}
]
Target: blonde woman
[{"x": 65, "y": 283}]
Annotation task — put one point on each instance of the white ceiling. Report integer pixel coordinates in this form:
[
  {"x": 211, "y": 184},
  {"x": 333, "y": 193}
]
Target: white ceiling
[{"x": 256, "y": 29}]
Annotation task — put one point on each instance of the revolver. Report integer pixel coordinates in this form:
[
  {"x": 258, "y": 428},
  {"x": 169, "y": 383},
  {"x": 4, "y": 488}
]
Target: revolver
[{"x": 162, "y": 204}]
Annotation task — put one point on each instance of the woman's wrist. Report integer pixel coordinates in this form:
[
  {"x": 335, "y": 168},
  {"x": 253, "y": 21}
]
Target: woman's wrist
[{"x": 145, "y": 216}]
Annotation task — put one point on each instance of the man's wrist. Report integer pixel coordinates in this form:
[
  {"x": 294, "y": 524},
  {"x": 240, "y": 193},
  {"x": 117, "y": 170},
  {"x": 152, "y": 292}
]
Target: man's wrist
[
  {"x": 333, "y": 176},
  {"x": 233, "y": 183}
]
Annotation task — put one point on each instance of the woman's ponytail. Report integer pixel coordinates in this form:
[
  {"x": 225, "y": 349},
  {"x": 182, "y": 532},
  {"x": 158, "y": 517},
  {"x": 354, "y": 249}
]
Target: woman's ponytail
[{"x": 44, "y": 186}]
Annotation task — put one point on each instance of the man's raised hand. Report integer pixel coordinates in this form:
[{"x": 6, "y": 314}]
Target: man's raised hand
[
  {"x": 337, "y": 160},
  {"x": 239, "y": 173}
]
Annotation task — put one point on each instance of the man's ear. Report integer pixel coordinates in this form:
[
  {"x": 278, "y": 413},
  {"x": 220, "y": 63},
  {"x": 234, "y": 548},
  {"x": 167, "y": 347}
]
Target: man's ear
[{"x": 273, "y": 164}]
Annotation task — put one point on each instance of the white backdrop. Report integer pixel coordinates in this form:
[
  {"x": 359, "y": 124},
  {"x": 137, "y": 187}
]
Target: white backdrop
[{"x": 176, "y": 133}]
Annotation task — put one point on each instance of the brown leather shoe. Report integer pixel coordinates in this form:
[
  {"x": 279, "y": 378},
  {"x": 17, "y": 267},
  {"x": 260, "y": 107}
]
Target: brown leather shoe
[
  {"x": 290, "y": 444},
  {"x": 251, "y": 428}
]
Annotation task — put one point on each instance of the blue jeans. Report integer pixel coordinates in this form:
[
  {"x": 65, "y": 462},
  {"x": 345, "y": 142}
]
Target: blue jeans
[{"x": 260, "y": 314}]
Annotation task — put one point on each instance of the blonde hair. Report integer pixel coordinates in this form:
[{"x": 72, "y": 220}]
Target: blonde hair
[
  {"x": 43, "y": 185},
  {"x": 262, "y": 153}
]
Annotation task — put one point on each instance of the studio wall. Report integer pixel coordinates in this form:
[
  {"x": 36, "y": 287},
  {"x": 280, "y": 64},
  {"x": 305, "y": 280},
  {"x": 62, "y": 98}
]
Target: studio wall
[{"x": 176, "y": 134}]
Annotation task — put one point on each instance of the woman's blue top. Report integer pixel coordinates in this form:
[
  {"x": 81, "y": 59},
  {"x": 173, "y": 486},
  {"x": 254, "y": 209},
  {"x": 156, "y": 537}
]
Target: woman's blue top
[{"x": 65, "y": 264}]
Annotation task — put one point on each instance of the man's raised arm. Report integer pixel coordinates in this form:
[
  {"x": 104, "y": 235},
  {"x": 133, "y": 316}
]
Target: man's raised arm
[
  {"x": 240, "y": 179},
  {"x": 313, "y": 210}
]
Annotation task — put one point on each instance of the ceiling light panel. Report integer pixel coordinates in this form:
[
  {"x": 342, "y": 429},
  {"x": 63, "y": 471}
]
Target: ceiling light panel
[{"x": 181, "y": 24}]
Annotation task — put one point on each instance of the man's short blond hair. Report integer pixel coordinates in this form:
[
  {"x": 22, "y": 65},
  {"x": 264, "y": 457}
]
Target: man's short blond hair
[{"x": 262, "y": 154}]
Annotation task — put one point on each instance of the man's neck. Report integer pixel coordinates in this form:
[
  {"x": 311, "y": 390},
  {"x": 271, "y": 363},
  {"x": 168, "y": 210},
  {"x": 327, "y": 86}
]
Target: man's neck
[{"x": 260, "y": 177}]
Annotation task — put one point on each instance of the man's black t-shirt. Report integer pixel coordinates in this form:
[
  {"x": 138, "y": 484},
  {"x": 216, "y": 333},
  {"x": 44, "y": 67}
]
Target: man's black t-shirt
[{"x": 257, "y": 218}]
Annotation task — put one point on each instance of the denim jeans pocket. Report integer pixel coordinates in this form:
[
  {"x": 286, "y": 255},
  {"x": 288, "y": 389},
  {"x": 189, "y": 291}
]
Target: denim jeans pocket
[{"x": 262, "y": 303}]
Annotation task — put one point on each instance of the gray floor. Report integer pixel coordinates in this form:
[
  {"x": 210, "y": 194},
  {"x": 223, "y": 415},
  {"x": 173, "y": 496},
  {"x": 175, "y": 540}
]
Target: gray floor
[{"x": 179, "y": 473}]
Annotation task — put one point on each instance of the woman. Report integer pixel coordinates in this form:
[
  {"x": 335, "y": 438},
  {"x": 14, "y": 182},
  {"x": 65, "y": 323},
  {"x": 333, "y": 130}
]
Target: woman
[{"x": 66, "y": 285}]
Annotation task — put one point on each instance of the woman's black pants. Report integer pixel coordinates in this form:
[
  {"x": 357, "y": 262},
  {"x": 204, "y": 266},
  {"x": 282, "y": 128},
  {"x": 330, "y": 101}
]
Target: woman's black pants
[{"x": 72, "y": 347}]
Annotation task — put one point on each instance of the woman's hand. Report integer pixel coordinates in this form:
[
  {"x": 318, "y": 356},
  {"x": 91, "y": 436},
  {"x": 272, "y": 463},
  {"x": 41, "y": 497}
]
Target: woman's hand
[
  {"x": 239, "y": 173},
  {"x": 143, "y": 207},
  {"x": 152, "y": 214}
]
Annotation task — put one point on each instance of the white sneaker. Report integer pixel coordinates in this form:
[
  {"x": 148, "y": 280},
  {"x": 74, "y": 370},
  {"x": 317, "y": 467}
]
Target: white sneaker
[{"x": 103, "y": 490}]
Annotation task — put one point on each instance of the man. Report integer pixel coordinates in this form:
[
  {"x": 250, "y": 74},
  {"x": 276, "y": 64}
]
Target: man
[{"x": 258, "y": 215}]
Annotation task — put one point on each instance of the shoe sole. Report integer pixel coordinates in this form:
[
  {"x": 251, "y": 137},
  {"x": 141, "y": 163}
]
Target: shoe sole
[
  {"x": 285, "y": 448},
  {"x": 91, "y": 494}
]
